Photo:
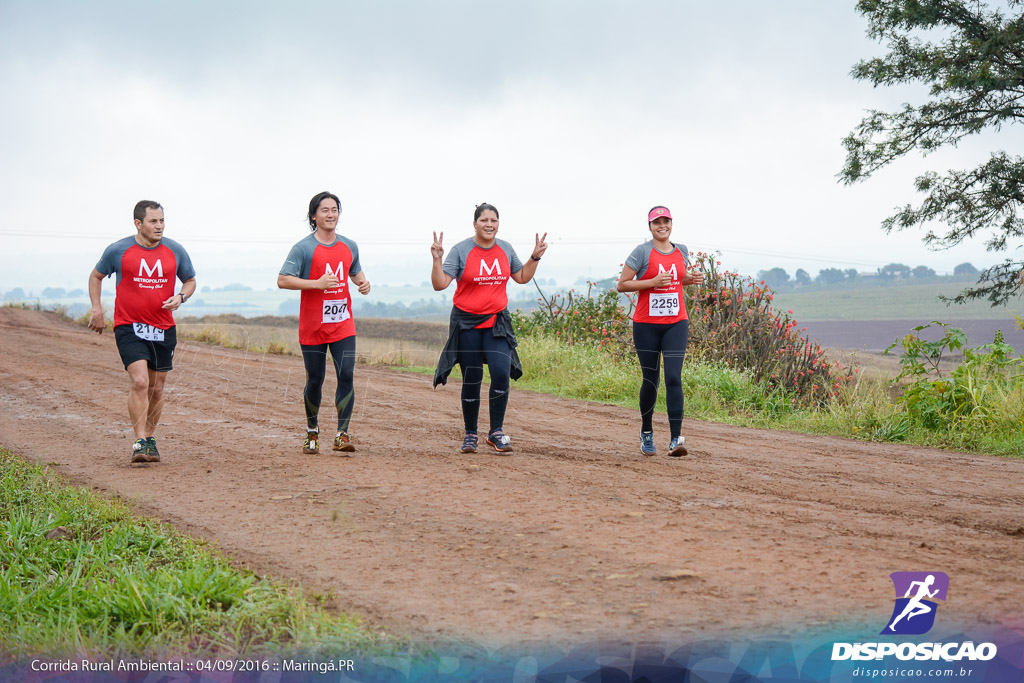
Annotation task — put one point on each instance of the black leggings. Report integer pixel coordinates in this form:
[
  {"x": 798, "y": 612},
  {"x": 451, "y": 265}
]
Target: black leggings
[
  {"x": 653, "y": 340},
  {"x": 343, "y": 353},
  {"x": 476, "y": 347}
]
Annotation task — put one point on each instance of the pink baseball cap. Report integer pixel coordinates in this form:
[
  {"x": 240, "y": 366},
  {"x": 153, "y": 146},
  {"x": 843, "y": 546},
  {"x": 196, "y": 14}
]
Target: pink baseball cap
[{"x": 658, "y": 212}]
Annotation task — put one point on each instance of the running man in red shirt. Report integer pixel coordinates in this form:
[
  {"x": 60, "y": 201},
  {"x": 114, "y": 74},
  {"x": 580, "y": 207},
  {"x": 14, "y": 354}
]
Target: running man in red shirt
[
  {"x": 480, "y": 330},
  {"x": 659, "y": 269},
  {"x": 320, "y": 266},
  {"x": 146, "y": 265}
]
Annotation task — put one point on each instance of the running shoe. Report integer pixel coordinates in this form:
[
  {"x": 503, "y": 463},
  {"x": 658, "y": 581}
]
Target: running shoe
[
  {"x": 500, "y": 441},
  {"x": 647, "y": 443},
  {"x": 343, "y": 443},
  {"x": 469, "y": 443},
  {"x": 676, "y": 448},
  {"x": 152, "y": 454},
  {"x": 312, "y": 444},
  {"x": 139, "y": 452}
]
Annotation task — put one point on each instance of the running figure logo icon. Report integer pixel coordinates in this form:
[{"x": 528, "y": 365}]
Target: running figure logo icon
[{"x": 916, "y": 592}]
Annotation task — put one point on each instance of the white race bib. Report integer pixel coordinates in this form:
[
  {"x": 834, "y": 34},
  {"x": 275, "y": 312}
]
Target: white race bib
[
  {"x": 335, "y": 311},
  {"x": 664, "y": 305},
  {"x": 148, "y": 332}
]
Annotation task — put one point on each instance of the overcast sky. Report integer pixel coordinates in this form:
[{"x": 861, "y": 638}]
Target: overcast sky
[{"x": 573, "y": 117}]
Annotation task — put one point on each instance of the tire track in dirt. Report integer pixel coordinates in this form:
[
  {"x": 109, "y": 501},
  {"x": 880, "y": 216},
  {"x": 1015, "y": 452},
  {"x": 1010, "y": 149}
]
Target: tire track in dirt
[{"x": 574, "y": 538}]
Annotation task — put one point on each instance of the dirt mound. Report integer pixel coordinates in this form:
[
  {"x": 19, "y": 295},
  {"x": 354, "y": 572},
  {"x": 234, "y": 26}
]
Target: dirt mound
[{"x": 576, "y": 537}]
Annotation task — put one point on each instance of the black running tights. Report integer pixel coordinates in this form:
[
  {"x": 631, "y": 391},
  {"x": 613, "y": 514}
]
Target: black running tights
[
  {"x": 476, "y": 347},
  {"x": 652, "y": 341},
  {"x": 343, "y": 353}
]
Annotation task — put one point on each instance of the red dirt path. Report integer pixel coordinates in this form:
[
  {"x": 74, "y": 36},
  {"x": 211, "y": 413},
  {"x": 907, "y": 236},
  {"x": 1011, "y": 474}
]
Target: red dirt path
[{"x": 576, "y": 537}]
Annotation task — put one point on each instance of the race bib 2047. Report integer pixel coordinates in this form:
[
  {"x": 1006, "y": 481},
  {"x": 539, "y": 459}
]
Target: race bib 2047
[{"x": 335, "y": 311}]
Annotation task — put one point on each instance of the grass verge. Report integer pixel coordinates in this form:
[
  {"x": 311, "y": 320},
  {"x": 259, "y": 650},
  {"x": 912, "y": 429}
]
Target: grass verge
[
  {"x": 81, "y": 577},
  {"x": 721, "y": 394}
]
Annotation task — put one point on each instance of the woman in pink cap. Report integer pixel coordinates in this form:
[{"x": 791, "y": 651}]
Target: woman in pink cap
[{"x": 659, "y": 269}]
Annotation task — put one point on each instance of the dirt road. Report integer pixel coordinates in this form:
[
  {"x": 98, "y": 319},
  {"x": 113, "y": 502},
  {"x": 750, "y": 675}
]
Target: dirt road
[{"x": 576, "y": 537}]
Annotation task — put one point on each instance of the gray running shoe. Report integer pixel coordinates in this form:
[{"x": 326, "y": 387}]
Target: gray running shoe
[
  {"x": 676, "y": 448},
  {"x": 647, "y": 443}
]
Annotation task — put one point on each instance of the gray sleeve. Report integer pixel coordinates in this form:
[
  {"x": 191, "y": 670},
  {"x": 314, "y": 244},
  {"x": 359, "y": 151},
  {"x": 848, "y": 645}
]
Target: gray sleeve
[
  {"x": 185, "y": 269},
  {"x": 111, "y": 259},
  {"x": 455, "y": 262},
  {"x": 686, "y": 255},
  {"x": 355, "y": 268},
  {"x": 514, "y": 264},
  {"x": 639, "y": 259},
  {"x": 296, "y": 265}
]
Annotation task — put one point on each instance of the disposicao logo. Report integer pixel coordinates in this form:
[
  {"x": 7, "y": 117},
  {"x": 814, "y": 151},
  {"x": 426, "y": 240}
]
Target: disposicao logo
[
  {"x": 912, "y": 615},
  {"x": 916, "y": 595}
]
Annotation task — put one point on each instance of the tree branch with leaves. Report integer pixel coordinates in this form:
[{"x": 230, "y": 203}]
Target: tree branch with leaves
[{"x": 975, "y": 75}]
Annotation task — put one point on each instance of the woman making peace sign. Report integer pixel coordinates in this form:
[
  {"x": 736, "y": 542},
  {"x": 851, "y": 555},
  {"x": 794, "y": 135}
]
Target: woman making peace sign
[{"x": 480, "y": 330}]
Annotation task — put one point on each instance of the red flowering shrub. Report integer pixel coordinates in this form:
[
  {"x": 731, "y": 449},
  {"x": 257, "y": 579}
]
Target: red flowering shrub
[
  {"x": 732, "y": 321},
  {"x": 601, "y": 316}
]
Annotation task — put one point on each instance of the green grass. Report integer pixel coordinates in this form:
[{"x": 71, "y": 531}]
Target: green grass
[
  {"x": 718, "y": 393},
  {"x": 110, "y": 585},
  {"x": 585, "y": 372}
]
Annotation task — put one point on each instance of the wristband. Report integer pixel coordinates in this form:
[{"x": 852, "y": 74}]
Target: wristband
[
  {"x": 183, "y": 297},
  {"x": 535, "y": 258}
]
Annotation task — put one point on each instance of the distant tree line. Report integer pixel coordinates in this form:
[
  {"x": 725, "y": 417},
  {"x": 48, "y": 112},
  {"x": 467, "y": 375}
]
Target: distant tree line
[
  {"x": 233, "y": 287},
  {"x": 19, "y": 294},
  {"x": 778, "y": 278}
]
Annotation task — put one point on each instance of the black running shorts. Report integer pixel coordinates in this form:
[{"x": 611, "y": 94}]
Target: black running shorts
[{"x": 133, "y": 347}]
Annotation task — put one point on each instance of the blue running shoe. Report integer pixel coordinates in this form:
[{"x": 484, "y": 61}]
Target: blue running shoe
[
  {"x": 469, "y": 443},
  {"x": 676, "y": 448},
  {"x": 500, "y": 441},
  {"x": 647, "y": 443}
]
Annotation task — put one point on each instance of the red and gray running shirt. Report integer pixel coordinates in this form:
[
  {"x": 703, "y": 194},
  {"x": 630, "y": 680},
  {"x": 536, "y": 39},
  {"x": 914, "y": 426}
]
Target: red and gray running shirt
[
  {"x": 145, "y": 279},
  {"x": 325, "y": 316},
  {"x": 481, "y": 276},
  {"x": 663, "y": 305}
]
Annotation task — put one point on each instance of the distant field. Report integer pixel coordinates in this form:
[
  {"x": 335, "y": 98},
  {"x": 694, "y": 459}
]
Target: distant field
[
  {"x": 877, "y": 335},
  {"x": 397, "y": 342},
  {"x": 380, "y": 342},
  {"x": 895, "y": 302},
  {"x": 409, "y": 330},
  {"x": 898, "y": 302}
]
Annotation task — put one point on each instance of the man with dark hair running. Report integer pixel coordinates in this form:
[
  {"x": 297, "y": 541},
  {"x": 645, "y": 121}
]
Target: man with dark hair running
[
  {"x": 320, "y": 266},
  {"x": 146, "y": 265}
]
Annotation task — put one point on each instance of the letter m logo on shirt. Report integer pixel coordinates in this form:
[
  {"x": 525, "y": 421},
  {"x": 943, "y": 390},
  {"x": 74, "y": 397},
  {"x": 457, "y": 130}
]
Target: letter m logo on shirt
[
  {"x": 493, "y": 268},
  {"x": 337, "y": 272},
  {"x": 675, "y": 273},
  {"x": 158, "y": 268}
]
